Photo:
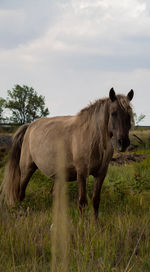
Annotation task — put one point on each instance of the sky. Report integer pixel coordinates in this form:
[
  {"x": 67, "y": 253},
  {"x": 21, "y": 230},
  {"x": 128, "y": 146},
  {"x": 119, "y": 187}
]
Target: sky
[{"x": 73, "y": 51}]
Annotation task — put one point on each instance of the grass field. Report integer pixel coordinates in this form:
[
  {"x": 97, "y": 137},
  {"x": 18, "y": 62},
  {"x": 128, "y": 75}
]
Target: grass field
[{"x": 118, "y": 242}]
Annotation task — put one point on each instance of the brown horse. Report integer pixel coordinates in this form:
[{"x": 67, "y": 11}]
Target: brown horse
[{"x": 87, "y": 139}]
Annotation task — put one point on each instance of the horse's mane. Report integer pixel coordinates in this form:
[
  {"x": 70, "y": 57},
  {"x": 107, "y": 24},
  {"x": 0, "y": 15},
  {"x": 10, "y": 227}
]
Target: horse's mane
[
  {"x": 96, "y": 106},
  {"x": 92, "y": 107}
]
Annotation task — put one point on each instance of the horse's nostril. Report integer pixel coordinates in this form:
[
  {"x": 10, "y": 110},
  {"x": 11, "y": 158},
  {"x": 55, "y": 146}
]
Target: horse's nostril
[
  {"x": 123, "y": 143},
  {"x": 120, "y": 142},
  {"x": 111, "y": 134}
]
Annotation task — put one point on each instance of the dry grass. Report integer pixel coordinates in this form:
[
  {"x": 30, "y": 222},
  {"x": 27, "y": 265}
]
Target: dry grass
[
  {"x": 118, "y": 242},
  {"x": 60, "y": 225}
]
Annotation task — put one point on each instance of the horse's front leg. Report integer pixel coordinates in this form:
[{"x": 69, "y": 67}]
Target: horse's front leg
[
  {"x": 98, "y": 182},
  {"x": 81, "y": 178}
]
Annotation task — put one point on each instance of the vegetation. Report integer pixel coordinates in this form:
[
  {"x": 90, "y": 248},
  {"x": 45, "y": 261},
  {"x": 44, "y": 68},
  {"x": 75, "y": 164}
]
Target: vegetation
[
  {"x": 139, "y": 119},
  {"x": 24, "y": 104},
  {"x": 2, "y": 105},
  {"x": 118, "y": 242}
]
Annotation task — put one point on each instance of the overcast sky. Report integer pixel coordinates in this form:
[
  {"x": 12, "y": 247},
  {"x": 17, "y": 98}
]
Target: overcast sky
[{"x": 74, "y": 51}]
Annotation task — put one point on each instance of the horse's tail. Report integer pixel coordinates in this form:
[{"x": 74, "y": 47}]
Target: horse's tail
[{"x": 11, "y": 182}]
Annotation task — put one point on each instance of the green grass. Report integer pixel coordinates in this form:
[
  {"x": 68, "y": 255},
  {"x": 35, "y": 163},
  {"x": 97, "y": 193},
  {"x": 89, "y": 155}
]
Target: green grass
[{"x": 118, "y": 242}]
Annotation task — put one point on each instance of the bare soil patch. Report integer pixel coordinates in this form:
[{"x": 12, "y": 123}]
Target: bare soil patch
[{"x": 123, "y": 158}]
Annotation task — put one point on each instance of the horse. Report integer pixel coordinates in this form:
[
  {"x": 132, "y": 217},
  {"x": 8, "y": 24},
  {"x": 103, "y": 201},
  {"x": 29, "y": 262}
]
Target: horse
[{"x": 88, "y": 141}]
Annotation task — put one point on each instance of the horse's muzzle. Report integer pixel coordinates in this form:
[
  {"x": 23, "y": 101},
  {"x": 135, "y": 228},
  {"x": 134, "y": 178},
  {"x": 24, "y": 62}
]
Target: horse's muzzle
[{"x": 122, "y": 144}]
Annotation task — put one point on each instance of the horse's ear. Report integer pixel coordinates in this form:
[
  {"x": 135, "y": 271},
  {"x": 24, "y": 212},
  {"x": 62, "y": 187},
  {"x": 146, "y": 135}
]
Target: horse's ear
[
  {"x": 112, "y": 95},
  {"x": 130, "y": 95}
]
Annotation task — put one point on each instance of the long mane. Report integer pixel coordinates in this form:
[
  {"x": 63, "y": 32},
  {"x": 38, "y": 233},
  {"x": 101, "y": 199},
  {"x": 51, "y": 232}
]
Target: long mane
[{"x": 94, "y": 118}]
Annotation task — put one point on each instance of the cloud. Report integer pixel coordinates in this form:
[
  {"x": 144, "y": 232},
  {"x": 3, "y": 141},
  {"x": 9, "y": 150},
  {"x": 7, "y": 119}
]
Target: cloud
[
  {"x": 89, "y": 27},
  {"x": 81, "y": 27},
  {"x": 23, "y": 21},
  {"x": 98, "y": 33}
]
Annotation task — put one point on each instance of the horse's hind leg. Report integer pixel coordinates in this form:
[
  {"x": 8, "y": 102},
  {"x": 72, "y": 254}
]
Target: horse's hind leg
[
  {"x": 25, "y": 177},
  {"x": 27, "y": 168}
]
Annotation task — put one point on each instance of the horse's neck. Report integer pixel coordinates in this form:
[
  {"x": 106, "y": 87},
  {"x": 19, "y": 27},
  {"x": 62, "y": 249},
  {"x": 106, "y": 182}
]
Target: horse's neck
[{"x": 95, "y": 132}]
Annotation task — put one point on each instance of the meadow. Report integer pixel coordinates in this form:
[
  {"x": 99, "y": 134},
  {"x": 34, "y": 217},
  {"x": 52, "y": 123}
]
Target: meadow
[{"x": 118, "y": 242}]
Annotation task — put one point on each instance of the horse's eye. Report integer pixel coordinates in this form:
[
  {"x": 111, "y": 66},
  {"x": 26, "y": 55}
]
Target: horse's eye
[{"x": 114, "y": 114}]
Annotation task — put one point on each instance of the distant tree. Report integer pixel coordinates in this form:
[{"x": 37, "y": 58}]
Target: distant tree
[
  {"x": 25, "y": 105},
  {"x": 139, "y": 118},
  {"x": 2, "y": 106}
]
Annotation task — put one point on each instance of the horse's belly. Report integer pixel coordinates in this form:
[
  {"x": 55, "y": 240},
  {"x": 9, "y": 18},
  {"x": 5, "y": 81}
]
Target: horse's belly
[
  {"x": 50, "y": 170},
  {"x": 46, "y": 159},
  {"x": 71, "y": 174}
]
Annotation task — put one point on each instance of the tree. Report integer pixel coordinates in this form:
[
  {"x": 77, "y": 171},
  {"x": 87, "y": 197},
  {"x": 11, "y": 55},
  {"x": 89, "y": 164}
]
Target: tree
[
  {"x": 2, "y": 105},
  {"x": 25, "y": 105},
  {"x": 139, "y": 118}
]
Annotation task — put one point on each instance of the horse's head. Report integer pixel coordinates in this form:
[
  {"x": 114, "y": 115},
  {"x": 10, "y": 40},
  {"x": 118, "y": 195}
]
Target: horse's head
[{"x": 120, "y": 119}]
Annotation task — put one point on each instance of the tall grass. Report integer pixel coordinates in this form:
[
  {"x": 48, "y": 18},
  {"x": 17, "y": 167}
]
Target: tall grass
[{"x": 60, "y": 225}]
